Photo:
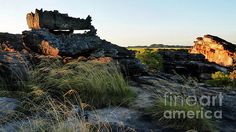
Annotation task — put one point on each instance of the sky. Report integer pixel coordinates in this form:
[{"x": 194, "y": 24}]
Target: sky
[{"x": 135, "y": 22}]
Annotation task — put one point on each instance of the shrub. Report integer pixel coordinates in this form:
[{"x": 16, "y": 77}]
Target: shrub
[
  {"x": 220, "y": 75},
  {"x": 150, "y": 58},
  {"x": 222, "y": 79},
  {"x": 196, "y": 123},
  {"x": 98, "y": 84}
]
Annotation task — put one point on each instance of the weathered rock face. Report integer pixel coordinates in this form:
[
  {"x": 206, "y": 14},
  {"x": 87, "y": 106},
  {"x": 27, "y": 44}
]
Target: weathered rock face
[
  {"x": 216, "y": 50},
  {"x": 13, "y": 68},
  {"x": 53, "y": 20},
  {"x": 188, "y": 64},
  {"x": 42, "y": 40},
  {"x": 11, "y": 42},
  {"x": 73, "y": 45}
]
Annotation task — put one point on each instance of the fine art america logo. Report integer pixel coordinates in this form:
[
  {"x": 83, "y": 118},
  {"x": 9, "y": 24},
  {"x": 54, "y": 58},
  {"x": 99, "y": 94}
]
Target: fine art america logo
[{"x": 192, "y": 106}]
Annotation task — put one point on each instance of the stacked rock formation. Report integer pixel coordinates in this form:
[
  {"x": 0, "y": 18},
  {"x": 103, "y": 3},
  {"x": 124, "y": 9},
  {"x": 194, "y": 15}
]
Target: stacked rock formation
[
  {"x": 216, "y": 50},
  {"x": 51, "y": 36},
  {"x": 53, "y": 20}
]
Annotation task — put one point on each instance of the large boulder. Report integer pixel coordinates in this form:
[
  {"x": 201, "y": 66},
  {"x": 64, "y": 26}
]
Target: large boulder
[
  {"x": 216, "y": 50},
  {"x": 53, "y": 20},
  {"x": 44, "y": 42},
  {"x": 65, "y": 45}
]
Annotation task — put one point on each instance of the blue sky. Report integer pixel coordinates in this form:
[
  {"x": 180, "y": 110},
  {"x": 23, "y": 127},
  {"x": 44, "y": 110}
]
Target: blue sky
[{"x": 135, "y": 22}]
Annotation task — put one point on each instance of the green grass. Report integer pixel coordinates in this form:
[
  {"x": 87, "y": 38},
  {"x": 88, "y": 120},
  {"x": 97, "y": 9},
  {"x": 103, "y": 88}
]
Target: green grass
[
  {"x": 141, "y": 50},
  {"x": 98, "y": 84},
  {"x": 53, "y": 88},
  {"x": 54, "y": 116},
  {"x": 150, "y": 58},
  {"x": 196, "y": 123}
]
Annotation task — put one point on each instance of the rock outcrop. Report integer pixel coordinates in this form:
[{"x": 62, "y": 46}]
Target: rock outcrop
[
  {"x": 53, "y": 20},
  {"x": 216, "y": 50},
  {"x": 185, "y": 63},
  {"x": 42, "y": 40}
]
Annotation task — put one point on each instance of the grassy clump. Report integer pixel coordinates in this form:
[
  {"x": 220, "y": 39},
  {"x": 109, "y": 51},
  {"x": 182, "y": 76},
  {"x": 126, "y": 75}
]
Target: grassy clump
[
  {"x": 157, "y": 111},
  {"x": 223, "y": 79},
  {"x": 98, "y": 84},
  {"x": 150, "y": 58},
  {"x": 54, "y": 116}
]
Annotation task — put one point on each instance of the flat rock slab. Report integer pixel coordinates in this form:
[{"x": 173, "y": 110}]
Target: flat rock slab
[{"x": 123, "y": 119}]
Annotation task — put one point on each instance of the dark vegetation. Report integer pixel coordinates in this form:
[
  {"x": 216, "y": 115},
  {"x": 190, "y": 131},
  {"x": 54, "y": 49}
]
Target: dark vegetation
[
  {"x": 223, "y": 79},
  {"x": 150, "y": 58},
  {"x": 160, "y": 46}
]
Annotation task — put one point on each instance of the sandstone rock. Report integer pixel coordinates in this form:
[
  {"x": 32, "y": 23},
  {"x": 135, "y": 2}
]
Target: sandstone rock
[
  {"x": 44, "y": 42},
  {"x": 11, "y": 42},
  {"x": 216, "y": 50},
  {"x": 74, "y": 45},
  {"x": 54, "y": 20},
  {"x": 13, "y": 69},
  {"x": 123, "y": 119},
  {"x": 132, "y": 66},
  {"x": 189, "y": 64}
]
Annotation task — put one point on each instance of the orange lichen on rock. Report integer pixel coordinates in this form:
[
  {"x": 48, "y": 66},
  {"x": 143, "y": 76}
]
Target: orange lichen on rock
[
  {"x": 215, "y": 50},
  {"x": 47, "y": 49},
  {"x": 103, "y": 59}
]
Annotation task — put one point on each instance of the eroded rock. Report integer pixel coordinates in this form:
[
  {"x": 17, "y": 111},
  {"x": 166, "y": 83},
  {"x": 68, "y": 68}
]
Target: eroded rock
[
  {"x": 43, "y": 42},
  {"x": 68, "y": 45},
  {"x": 54, "y": 20},
  {"x": 216, "y": 50}
]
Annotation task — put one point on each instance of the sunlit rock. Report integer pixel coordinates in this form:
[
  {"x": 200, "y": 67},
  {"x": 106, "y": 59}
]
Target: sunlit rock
[{"x": 216, "y": 50}]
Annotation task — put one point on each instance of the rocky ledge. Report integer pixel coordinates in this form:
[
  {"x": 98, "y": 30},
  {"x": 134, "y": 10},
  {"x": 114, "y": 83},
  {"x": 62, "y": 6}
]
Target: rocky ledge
[
  {"x": 48, "y": 38},
  {"x": 185, "y": 63}
]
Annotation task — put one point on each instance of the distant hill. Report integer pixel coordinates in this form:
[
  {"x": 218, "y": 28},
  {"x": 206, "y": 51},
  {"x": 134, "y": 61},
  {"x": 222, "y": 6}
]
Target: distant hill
[{"x": 160, "y": 46}]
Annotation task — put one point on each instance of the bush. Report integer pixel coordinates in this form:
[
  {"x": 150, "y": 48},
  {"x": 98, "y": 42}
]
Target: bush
[
  {"x": 219, "y": 75},
  {"x": 196, "y": 123},
  {"x": 150, "y": 58},
  {"x": 222, "y": 79},
  {"x": 98, "y": 84}
]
